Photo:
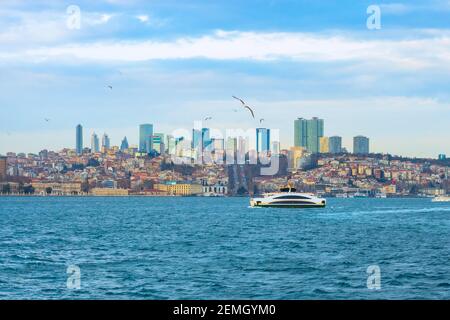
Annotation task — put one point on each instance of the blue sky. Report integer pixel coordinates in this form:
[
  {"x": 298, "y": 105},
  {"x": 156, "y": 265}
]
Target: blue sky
[{"x": 175, "y": 62}]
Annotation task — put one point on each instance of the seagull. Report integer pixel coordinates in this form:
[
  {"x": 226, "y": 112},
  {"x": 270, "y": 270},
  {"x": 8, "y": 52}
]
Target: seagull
[
  {"x": 208, "y": 118},
  {"x": 261, "y": 120},
  {"x": 245, "y": 106},
  {"x": 110, "y": 87},
  {"x": 47, "y": 119}
]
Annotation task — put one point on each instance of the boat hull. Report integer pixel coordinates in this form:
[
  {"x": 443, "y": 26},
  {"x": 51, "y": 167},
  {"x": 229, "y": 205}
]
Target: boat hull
[{"x": 291, "y": 206}]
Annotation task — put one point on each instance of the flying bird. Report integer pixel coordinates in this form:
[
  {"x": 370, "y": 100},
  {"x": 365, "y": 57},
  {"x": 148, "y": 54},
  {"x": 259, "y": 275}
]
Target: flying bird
[
  {"x": 208, "y": 118},
  {"x": 245, "y": 106},
  {"x": 261, "y": 120},
  {"x": 47, "y": 119},
  {"x": 110, "y": 87}
]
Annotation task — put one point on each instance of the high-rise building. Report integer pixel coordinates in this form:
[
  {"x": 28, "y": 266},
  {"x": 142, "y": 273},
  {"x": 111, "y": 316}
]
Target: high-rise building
[
  {"x": 201, "y": 139},
  {"x": 442, "y": 157},
  {"x": 324, "y": 144},
  {"x": 158, "y": 143},
  {"x": 3, "y": 168},
  {"x": 295, "y": 156},
  {"x": 307, "y": 133},
  {"x": 262, "y": 140},
  {"x": 206, "y": 139},
  {"x": 145, "y": 138},
  {"x": 106, "y": 142},
  {"x": 231, "y": 147},
  {"x": 171, "y": 145},
  {"x": 218, "y": 144},
  {"x": 124, "y": 145},
  {"x": 196, "y": 139},
  {"x": 95, "y": 145},
  {"x": 335, "y": 144},
  {"x": 360, "y": 145},
  {"x": 79, "y": 140},
  {"x": 275, "y": 147}
]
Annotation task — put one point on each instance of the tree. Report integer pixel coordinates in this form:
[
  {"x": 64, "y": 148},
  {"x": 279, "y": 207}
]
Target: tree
[
  {"x": 241, "y": 191},
  {"x": 28, "y": 189},
  {"x": 6, "y": 188}
]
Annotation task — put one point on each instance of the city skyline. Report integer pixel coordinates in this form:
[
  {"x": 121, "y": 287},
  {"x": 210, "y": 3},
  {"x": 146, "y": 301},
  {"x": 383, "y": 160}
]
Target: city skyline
[{"x": 175, "y": 64}]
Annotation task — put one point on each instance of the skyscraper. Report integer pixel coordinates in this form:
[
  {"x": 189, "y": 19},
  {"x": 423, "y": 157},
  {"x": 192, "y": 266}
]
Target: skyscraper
[
  {"x": 360, "y": 145},
  {"x": 145, "y": 137},
  {"x": 171, "y": 146},
  {"x": 95, "y": 145},
  {"x": 335, "y": 144},
  {"x": 106, "y": 142},
  {"x": 3, "y": 167},
  {"x": 262, "y": 140},
  {"x": 231, "y": 147},
  {"x": 158, "y": 142},
  {"x": 307, "y": 133},
  {"x": 124, "y": 145},
  {"x": 206, "y": 140},
  {"x": 196, "y": 139},
  {"x": 324, "y": 144},
  {"x": 79, "y": 140}
]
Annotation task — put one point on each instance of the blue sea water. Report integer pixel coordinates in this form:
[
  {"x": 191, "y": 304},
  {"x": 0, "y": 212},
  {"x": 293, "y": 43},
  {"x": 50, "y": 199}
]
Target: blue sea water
[{"x": 219, "y": 248}]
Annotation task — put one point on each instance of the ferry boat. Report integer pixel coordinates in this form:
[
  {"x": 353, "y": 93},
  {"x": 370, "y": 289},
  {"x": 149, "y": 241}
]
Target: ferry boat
[
  {"x": 288, "y": 198},
  {"x": 441, "y": 199}
]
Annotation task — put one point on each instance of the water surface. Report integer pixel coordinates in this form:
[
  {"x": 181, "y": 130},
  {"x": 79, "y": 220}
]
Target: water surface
[{"x": 219, "y": 248}]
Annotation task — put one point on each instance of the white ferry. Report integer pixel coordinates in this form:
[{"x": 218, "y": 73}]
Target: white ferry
[
  {"x": 288, "y": 198},
  {"x": 441, "y": 199}
]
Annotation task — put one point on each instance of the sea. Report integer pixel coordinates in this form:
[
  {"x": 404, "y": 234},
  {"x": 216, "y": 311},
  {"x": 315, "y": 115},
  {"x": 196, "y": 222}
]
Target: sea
[{"x": 220, "y": 248}]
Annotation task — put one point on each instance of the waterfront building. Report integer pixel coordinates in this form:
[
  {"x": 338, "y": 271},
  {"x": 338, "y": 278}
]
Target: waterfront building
[
  {"x": 124, "y": 145},
  {"x": 95, "y": 145},
  {"x": 179, "y": 189},
  {"x": 3, "y": 168},
  {"x": 442, "y": 157},
  {"x": 360, "y": 145},
  {"x": 262, "y": 140},
  {"x": 55, "y": 188},
  {"x": 109, "y": 192},
  {"x": 335, "y": 144},
  {"x": 307, "y": 133},
  {"x": 79, "y": 140},
  {"x": 324, "y": 143},
  {"x": 145, "y": 138}
]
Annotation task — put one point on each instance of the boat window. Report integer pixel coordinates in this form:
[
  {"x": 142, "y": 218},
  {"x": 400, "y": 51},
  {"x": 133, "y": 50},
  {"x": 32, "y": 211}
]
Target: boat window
[
  {"x": 291, "y": 202},
  {"x": 293, "y": 197}
]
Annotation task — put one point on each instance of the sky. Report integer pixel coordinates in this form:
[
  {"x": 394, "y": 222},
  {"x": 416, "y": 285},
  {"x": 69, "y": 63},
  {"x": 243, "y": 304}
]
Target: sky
[{"x": 172, "y": 63}]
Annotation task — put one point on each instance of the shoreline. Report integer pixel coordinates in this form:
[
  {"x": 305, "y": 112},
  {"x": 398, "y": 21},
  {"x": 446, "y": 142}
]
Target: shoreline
[{"x": 181, "y": 196}]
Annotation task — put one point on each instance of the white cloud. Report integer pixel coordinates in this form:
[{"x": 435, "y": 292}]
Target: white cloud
[
  {"x": 404, "y": 54},
  {"x": 143, "y": 18}
]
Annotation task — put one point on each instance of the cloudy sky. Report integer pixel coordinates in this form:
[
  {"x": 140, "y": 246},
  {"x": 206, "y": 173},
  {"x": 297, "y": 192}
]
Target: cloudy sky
[{"x": 171, "y": 63}]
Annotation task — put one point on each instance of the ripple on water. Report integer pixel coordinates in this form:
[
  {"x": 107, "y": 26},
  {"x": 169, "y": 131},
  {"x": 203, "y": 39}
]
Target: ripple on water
[{"x": 200, "y": 248}]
